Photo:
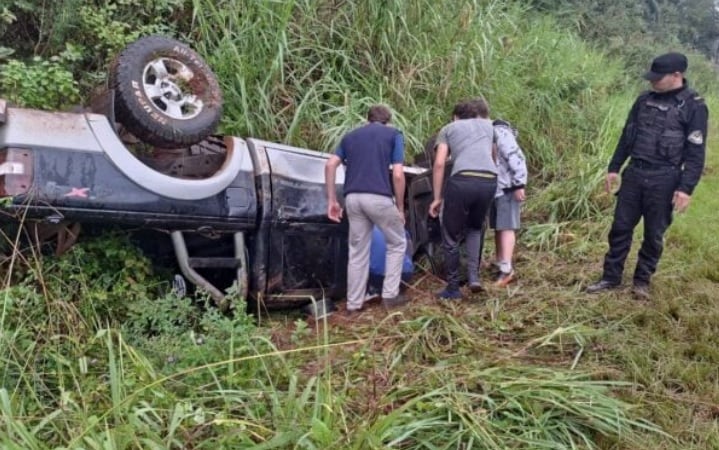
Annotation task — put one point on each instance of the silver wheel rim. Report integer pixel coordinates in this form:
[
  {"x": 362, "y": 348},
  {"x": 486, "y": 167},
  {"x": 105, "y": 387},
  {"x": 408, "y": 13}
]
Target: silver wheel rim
[{"x": 166, "y": 82}]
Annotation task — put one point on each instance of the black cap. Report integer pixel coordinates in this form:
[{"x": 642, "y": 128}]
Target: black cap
[{"x": 666, "y": 63}]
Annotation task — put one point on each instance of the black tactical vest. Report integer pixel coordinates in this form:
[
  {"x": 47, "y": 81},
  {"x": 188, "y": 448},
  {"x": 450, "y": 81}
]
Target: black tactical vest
[{"x": 659, "y": 128}]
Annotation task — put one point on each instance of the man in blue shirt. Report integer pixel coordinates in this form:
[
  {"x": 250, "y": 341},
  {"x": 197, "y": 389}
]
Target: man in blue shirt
[{"x": 371, "y": 198}]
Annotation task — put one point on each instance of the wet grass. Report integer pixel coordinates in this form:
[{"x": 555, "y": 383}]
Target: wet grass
[
  {"x": 536, "y": 365},
  {"x": 657, "y": 360}
]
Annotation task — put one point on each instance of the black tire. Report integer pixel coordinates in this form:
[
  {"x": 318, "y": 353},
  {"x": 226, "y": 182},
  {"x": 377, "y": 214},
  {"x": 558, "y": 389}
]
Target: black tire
[{"x": 165, "y": 94}]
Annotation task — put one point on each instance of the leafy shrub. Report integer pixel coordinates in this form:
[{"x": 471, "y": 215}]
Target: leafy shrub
[{"x": 44, "y": 84}]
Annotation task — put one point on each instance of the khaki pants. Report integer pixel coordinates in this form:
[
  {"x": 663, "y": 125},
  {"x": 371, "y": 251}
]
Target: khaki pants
[{"x": 363, "y": 212}]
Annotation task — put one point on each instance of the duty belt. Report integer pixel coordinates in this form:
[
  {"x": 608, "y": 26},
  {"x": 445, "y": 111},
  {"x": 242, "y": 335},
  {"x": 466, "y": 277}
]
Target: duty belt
[
  {"x": 641, "y": 164},
  {"x": 477, "y": 173}
]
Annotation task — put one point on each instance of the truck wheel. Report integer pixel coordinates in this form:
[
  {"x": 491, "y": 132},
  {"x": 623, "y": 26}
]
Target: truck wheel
[{"x": 165, "y": 94}]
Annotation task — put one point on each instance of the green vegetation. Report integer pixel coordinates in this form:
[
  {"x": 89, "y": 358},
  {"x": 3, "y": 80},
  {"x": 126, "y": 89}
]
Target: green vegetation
[{"x": 95, "y": 353}]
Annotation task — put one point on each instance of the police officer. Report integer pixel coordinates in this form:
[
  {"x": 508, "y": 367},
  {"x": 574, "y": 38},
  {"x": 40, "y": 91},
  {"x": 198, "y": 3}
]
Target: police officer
[{"x": 664, "y": 138}]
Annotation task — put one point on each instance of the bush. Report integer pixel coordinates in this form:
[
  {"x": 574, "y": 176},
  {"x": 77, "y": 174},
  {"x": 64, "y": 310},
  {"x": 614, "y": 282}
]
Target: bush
[{"x": 43, "y": 84}]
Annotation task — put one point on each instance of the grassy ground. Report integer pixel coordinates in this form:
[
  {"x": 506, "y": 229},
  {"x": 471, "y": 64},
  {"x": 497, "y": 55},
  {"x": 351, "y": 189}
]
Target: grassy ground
[
  {"x": 666, "y": 350},
  {"x": 90, "y": 357}
]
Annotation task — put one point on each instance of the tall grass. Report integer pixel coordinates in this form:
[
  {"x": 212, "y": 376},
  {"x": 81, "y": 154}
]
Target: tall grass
[
  {"x": 305, "y": 72},
  {"x": 499, "y": 408},
  {"x": 94, "y": 355},
  {"x": 152, "y": 372}
]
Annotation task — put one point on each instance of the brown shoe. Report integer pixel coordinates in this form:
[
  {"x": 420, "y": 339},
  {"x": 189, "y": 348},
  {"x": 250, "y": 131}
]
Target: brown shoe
[
  {"x": 640, "y": 291},
  {"x": 504, "y": 278},
  {"x": 601, "y": 286}
]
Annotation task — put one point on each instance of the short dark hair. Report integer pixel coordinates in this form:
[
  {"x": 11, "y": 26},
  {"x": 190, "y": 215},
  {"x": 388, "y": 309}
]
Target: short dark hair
[
  {"x": 379, "y": 113},
  {"x": 465, "y": 110},
  {"x": 469, "y": 109},
  {"x": 482, "y": 107}
]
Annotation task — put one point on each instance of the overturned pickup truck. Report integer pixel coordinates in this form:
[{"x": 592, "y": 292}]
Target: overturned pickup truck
[
  {"x": 221, "y": 209},
  {"x": 252, "y": 209}
]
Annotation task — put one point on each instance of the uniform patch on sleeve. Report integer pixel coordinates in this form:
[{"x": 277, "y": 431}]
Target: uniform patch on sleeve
[{"x": 696, "y": 137}]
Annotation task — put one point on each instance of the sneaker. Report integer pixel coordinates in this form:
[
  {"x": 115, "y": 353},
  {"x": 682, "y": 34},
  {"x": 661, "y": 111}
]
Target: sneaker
[
  {"x": 475, "y": 287},
  {"x": 601, "y": 285},
  {"x": 370, "y": 296},
  {"x": 450, "y": 294},
  {"x": 640, "y": 291},
  {"x": 394, "y": 302},
  {"x": 490, "y": 266},
  {"x": 504, "y": 278},
  {"x": 353, "y": 312}
]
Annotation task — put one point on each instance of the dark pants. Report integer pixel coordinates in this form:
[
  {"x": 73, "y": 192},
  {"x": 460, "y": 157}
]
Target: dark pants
[
  {"x": 644, "y": 193},
  {"x": 467, "y": 200}
]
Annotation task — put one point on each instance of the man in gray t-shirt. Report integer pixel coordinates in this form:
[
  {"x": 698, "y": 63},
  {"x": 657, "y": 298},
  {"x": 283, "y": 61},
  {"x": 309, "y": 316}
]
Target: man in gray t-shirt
[
  {"x": 471, "y": 186},
  {"x": 470, "y": 141}
]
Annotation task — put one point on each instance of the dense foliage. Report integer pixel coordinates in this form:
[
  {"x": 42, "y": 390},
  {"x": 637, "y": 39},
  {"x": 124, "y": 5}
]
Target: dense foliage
[{"x": 617, "y": 24}]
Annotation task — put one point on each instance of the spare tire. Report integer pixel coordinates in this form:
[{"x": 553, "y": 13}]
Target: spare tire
[{"x": 165, "y": 94}]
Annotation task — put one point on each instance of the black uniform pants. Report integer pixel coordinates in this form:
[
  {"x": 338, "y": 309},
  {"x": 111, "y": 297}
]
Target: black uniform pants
[
  {"x": 467, "y": 199},
  {"x": 644, "y": 193}
]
